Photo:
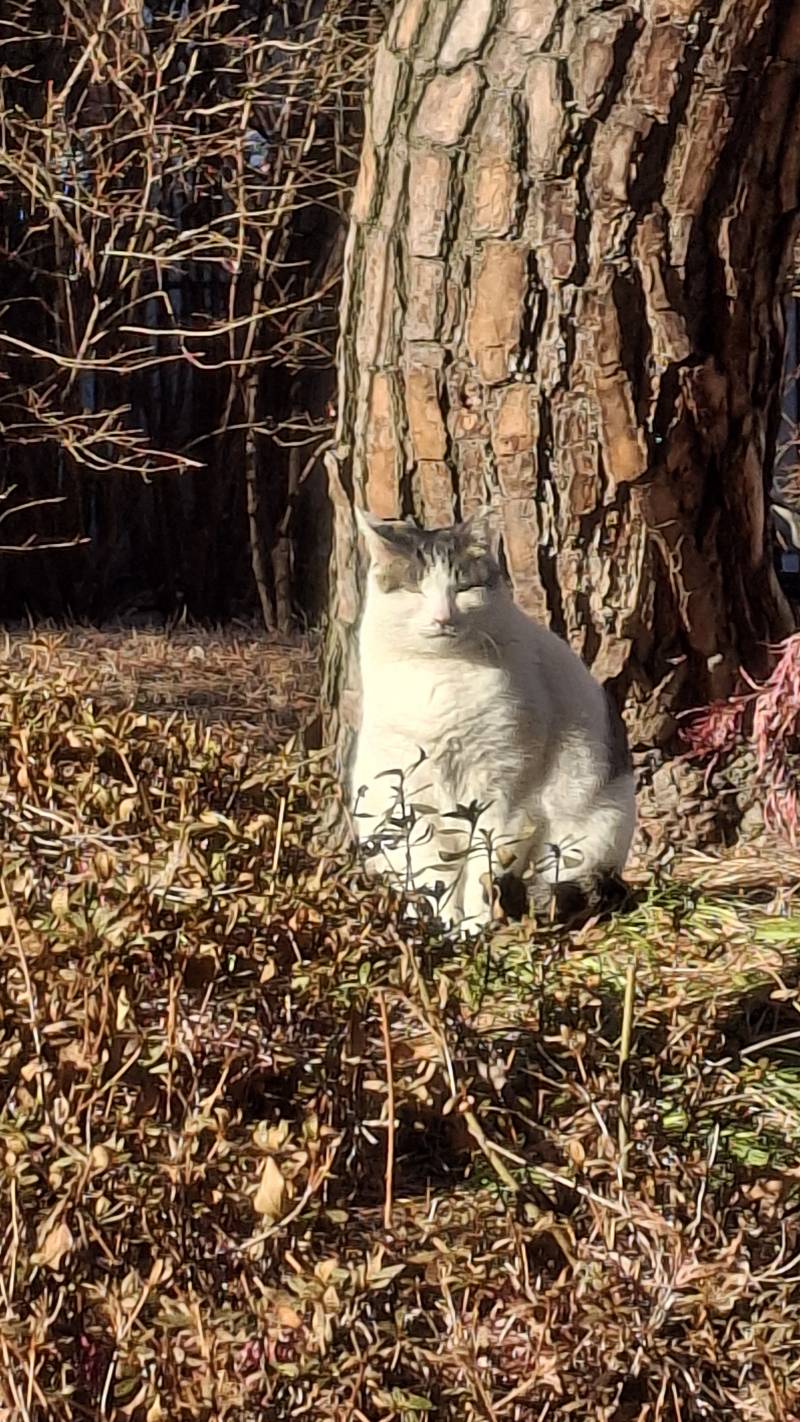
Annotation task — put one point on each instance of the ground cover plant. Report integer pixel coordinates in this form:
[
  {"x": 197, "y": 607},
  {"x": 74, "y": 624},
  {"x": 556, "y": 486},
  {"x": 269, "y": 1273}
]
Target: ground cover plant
[{"x": 270, "y": 1150}]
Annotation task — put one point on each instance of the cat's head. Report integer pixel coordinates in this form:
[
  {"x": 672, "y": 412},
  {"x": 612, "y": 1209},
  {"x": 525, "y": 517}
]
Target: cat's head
[{"x": 436, "y": 587}]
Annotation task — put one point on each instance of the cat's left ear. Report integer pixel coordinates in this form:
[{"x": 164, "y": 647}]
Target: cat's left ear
[
  {"x": 381, "y": 536},
  {"x": 483, "y": 530}
]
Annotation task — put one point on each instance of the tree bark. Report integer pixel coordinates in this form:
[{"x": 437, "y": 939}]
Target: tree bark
[{"x": 563, "y": 291}]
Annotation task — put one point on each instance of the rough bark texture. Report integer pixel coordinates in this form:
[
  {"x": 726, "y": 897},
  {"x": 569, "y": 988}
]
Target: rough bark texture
[{"x": 562, "y": 291}]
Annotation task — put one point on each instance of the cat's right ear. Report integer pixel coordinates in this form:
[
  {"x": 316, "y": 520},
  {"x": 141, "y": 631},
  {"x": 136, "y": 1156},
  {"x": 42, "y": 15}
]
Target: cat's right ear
[{"x": 377, "y": 536}]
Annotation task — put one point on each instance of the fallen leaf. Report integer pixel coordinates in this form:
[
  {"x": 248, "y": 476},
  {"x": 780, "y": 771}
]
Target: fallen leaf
[
  {"x": 123, "y": 1008},
  {"x": 325, "y": 1268},
  {"x": 270, "y": 1138},
  {"x": 73, "y": 1055},
  {"x": 288, "y": 1317},
  {"x": 99, "y": 1159},
  {"x": 60, "y": 902},
  {"x": 576, "y": 1152},
  {"x": 270, "y": 1197},
  {"x": 103, "y": 865},
  {"x": 55, "y": 1245}
]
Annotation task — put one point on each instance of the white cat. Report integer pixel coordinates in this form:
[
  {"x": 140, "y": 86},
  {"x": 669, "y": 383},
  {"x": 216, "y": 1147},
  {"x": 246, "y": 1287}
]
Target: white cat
[{"x": 485, "y": 746}]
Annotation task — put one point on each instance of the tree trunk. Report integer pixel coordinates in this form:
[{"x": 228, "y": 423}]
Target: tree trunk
[{"x": 563, "y": 291}]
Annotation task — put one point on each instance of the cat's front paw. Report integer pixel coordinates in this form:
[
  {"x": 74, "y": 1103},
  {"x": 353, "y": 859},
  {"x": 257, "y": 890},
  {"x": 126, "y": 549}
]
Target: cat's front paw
[{"x": 573, "y": 901}]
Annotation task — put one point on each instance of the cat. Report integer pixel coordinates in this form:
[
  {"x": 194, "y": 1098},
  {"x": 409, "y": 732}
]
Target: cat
[{"x": 486, "y": 749}]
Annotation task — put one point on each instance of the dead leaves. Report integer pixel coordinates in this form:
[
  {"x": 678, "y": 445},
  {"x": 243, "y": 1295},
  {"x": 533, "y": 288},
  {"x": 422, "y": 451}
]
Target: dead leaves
[
  {"x": 272, "y": 1194},
  {"x": 54, "y": 1245},
  {"x": 195, "y": 1149}
]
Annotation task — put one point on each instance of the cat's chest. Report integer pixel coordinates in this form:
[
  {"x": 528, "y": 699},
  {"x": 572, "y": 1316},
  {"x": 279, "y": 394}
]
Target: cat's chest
[
  {"x": 440, "y": 699},
  {"x": 463, "y": 718}
]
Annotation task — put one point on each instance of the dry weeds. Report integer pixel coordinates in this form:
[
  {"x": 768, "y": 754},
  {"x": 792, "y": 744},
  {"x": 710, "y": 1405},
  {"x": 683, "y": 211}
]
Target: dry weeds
[
  {"x": 236, "y": 676},
  {"x": 208, "y": 1208},
  {"x": 764, "y": 721}
]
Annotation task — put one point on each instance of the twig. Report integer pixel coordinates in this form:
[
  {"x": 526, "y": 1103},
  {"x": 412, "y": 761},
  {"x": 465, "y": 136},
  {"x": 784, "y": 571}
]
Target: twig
[
  {"x": 30, "y": 995},
  {"x": 482, "y": 1141},
  {"x": 701, "y": 1194},
  {"x": 258, "y": 561},
  {"x": 624, "y": 1055},
  {"x": 755, "y": 1047},
  {"x": 16, "y": 1393},
  {"x": 390, "y": 1124},
  {"x": 276, "y": 854}
]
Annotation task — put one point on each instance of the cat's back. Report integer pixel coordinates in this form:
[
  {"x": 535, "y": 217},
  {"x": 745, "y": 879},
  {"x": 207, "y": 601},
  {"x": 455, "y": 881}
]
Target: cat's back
[{"x": 545, "y": 673}]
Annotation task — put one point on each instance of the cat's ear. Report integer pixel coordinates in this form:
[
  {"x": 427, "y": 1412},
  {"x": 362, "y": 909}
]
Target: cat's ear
[
  {"x": 483, "y": 530},
  {"x": 380, "y": 536}
]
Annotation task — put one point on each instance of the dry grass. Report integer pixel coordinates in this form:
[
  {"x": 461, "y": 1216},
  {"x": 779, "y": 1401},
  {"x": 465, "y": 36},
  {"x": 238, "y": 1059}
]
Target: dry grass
[
  {"x": 238, "y": 676},
  {"x": 208, "y": 1209}
]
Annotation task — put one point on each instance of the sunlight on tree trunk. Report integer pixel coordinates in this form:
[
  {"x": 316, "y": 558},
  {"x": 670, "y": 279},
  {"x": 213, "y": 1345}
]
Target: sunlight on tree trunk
[{"x": 562, "y": 291}]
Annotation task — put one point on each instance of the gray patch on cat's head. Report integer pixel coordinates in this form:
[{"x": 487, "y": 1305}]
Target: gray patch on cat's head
[{"x": 401, "y": 554}]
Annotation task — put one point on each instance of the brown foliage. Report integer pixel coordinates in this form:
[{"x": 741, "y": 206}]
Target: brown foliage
[{"x": 268, "y": 1149}]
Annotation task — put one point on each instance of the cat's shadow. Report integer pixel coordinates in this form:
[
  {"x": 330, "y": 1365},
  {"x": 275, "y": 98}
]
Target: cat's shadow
[{"x": 434, "y": 1146}]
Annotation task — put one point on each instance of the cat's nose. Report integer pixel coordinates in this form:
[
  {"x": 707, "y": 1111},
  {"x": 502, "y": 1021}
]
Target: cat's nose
[{"x": 443, "y": 616}]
